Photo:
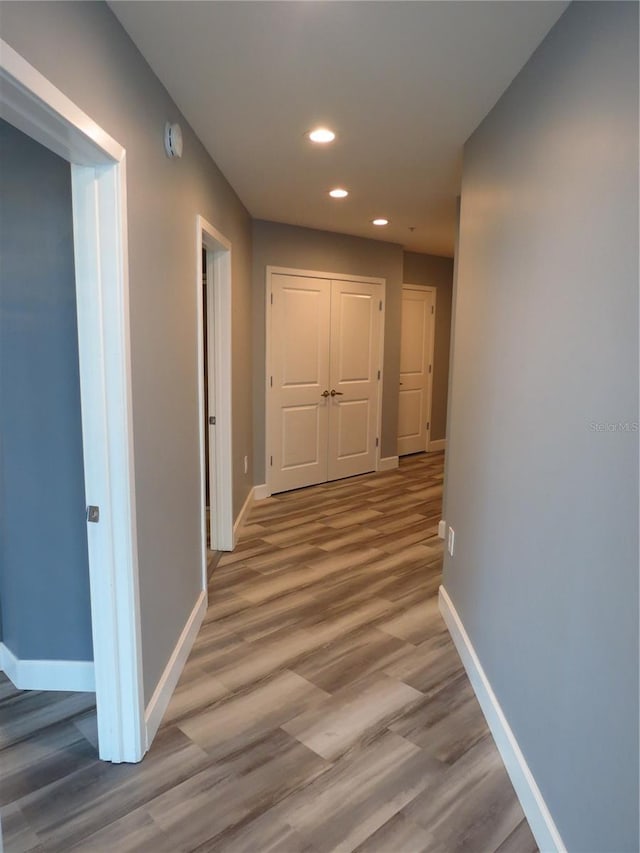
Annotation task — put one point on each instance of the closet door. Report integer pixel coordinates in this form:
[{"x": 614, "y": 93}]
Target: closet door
[
  {"x": 299, "y": 381},
  {"x": 355, "y": 360}
]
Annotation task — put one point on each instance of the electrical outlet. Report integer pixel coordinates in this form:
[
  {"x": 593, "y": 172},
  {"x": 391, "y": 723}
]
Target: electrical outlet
[
  {"x": 442, "y": 529},
  {"x": 246, "y": 464},
  {"x": 450, "y": 543}
]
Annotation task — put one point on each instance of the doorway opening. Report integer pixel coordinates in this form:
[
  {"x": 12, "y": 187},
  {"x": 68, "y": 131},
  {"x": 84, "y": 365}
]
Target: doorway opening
[
  {"x": 417, "y": 338},
  {"x": 213, "y": 296},
  {"x": 30, "y": 103}
]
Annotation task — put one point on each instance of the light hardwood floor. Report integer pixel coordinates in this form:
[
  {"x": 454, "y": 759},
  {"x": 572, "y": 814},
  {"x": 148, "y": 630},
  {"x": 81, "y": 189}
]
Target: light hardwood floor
[{"x": 323, "y": 707}]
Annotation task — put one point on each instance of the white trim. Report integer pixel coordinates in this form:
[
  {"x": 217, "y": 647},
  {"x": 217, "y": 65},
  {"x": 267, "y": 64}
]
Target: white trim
[
  {"x": 437, "y": 444},
  {"x": 30, "y": 102},
  {"x": 442, "y": 529},
  {"x": 388, "y": 463},
  {"x": 164, "y": 689},
  {"x": 274, "y": 270},
  {"x": 335, "y": 276},
  {"x": 542, "y": 825},
  {"x": 261, "y": 492},
  {"x": 67, "y": 675},
  {"x": 244, "y": 513},
  {"x": 219, "y": 273}
]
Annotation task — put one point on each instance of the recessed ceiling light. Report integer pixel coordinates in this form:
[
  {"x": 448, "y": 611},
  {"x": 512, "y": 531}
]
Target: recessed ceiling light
[
  {"x": 322, "y": 135},
  {"x": 380, "y": 221},
  {"x": 338, "y": 193}
]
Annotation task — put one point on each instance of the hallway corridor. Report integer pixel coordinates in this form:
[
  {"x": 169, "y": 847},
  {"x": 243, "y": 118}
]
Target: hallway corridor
[{"x": 323, "y": 706}]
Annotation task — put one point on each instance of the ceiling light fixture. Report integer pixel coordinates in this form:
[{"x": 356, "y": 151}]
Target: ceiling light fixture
[
  {"x": 322, "y": 135},
  {"x": 379, "y": 221},
  {"x": 338, "y": 193}
]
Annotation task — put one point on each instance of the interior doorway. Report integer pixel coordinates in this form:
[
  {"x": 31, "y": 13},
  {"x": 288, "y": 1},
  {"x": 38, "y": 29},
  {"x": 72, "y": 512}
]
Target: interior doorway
[
  {"x": 213, "y": 294},
  {"x": 417, "y": 339},
  {"x": 30, "y": 103}
]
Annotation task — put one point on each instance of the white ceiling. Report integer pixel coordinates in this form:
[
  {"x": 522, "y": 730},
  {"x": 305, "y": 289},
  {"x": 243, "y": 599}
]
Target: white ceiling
[{"x": 403, "y": 84}]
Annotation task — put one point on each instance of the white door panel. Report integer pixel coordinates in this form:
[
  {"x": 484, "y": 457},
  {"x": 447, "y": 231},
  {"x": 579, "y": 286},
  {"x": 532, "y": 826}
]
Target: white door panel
[
  {"x": 300, "y": 374},
  {"x": 416, "y": 348},
  {"x": 355, "y": 362}
]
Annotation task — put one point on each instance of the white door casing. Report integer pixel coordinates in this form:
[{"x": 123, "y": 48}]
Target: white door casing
[
  {"x": 416, "y": 368},
  {"x": 324, "y": 376},
  {"x": 218, "y": 254}
]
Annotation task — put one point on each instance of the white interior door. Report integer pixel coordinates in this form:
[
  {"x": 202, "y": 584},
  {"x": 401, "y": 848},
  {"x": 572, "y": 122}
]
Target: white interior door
[
  {"x": 354, "y": 365},
  {"x": 416, "y": 369},
  {"x": 299, "y": 381}
]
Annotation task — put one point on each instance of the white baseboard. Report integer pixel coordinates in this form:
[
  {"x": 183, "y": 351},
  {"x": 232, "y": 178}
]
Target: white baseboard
[
  {"x": 388, "y": 463},
  {"x": 66, "y": 675},
  {"x": 154, "y": 711},
  {"x": 261, "y": 492},
  {"x": 438, "y": 444},
  {"x": 544, "y": 829}
]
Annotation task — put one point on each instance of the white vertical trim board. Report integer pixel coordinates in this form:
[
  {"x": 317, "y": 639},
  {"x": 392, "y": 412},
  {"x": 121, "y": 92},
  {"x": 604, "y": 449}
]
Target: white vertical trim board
[
  {"x": 164, "y": 689},
  {"x": 67, "y": 675},
  {"x": 438, "y": 444},
  {"x": 535, "y": 809},
  {"x": 98, "y": 182},
  {"x": 388, "y": 463}
]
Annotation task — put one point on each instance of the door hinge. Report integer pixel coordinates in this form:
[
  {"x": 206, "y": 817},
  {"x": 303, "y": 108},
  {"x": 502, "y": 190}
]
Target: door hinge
[
  {"x": 272, "y": 298},
  {"x": 429, "y": 368},
  {"x": 378, "y": 375},
  {"x": 271, "y": 382},
  {"x": 212, "y": 420},
  {"x": 380, "y": 308},
  {"x": 428, "y": 423},
  {"x": 271, "y": 461},
  {"x": 377, "y": 442},
  {"x": 93, "y": 514},
  {"x": 433, "y": 309}
]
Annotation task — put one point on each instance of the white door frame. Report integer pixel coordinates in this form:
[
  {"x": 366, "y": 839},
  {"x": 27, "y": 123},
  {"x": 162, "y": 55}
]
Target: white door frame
[
  {"x": 434, "y": 292},
  {"x": 218, "y": 250},
  {"x": 98, "y": 179},
  {"x": 273, "y": 270}
]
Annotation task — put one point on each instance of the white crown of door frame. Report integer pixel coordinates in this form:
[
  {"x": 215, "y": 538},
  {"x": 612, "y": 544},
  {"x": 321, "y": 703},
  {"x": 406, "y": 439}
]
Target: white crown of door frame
[
  {"x": 36, "y": 107},
  {"x": 275, "y": 270},
  {"x": 219, "y": 275}
]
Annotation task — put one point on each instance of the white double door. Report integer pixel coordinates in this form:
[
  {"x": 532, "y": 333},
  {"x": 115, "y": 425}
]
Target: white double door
[
  {"x": 416, "y": 369},
  {"x": 324, "y": 379}
]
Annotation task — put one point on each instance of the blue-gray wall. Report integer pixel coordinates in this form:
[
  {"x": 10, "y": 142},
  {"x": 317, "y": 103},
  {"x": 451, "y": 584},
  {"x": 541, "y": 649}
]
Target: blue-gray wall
[
  {"x": 542, "y": 483},
  {"x": 44, "y": 570}
]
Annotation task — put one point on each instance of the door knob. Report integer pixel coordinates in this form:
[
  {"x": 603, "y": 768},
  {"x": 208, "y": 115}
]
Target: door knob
[
  {"x": 335, "y": 393},
  {"x": 324, "y": 394}
]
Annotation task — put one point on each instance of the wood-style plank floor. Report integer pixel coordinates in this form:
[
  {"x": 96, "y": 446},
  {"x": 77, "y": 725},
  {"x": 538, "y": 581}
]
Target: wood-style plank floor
[{"x": 323, "y": 707}]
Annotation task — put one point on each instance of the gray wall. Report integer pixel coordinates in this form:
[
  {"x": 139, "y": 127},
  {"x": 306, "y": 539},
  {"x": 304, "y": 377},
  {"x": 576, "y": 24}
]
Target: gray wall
[
  {"x": 544, "y": 503},
  {"x": 83, "y": 50},
  {"x": 44, "y": 568},
  {"x": 305, "y": 248},
  {"x": 435, "y": 272}
]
